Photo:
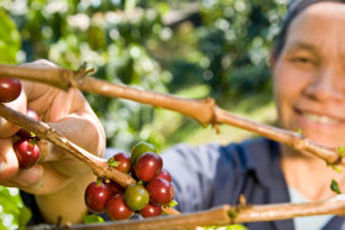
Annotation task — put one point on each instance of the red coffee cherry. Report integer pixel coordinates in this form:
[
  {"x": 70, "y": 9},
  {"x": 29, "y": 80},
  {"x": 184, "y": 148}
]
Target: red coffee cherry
[
  {"x": 10, "y": 89},
  {"x": 114, "y": 187},
  {"x": 151, "y": 210},
  {"x": 124, "y": 160},
  {"x": 148, "y": 166},
  {"x": 117, "y": 209},
  {"x": 164, "y": 174},
  {"x": 27, "y": 152},
  {"x": 97, "y": 194},
  {"x": 161, "y": 191}
]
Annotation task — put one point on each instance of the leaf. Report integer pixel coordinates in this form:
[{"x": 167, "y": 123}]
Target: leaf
[
  {"x": 113, "y": 163},
  {"x": 337, "y": 169},
  {"x": 236, "y": 227},
  {"x": 92, "y": 219},
  {"x": 173, "y": 203},
  {"x": 340, "y": 150},
  {"x": 24, "y": 217},
  {"x": 335, "y": 187},
  {"x": 299, "y": 130}
]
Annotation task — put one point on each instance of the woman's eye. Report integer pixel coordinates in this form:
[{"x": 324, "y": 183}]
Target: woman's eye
[{"x": 303, "y": 60}]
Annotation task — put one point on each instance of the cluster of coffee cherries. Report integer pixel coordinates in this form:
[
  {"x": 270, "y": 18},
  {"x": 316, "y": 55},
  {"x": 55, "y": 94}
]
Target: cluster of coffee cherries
[
  {"x": 146, "y": 197},
  {"x": 25, "y": 147}
]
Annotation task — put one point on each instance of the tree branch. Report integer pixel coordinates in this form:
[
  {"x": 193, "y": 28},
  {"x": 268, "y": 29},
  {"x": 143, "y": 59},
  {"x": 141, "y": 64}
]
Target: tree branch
[
  {"x": 223, "y": 215},
  {"x": 204, "y": 111}
]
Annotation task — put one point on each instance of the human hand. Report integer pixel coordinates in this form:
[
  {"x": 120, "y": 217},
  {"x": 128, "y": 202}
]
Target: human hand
[{"x": 67, "y": 112}]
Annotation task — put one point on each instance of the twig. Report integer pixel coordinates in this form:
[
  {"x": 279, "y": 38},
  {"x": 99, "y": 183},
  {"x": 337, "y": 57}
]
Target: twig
[
  {"x": 99, "y": 165},
  {"x": 204, "y": 111},
  {"x": 226, "y": 215}
]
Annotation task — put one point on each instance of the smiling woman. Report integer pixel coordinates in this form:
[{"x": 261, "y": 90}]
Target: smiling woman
[
  {"x": 309, "y": 75},
  {"x": 309, "y": 88},
  {"x": 310, "y": 93}
]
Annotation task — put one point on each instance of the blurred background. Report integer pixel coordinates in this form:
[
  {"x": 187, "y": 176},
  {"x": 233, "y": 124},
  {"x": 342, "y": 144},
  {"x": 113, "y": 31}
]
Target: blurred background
[{"x": 193, "y": 49}]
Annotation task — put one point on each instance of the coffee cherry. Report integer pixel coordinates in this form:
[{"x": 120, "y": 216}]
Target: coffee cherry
[
  {"x": 164, "y": 174},
  {"x": 10, "y": 89},
  {"x": 97, "y": 195},
  {"x": 24, "y": 133},
  {"x": 161, "y": 191},
  {"x": 27, "y": 152},
  {"x": 140, "y": 148},
  {"x": 114, "y": 187},
  {"x": 148, "y": 166},
  {"x": 124, "y": 160},
  {"x": 136, "y": 197},
  {"x": 151, "y": 210},
  {"x": 117, "y": 209}
]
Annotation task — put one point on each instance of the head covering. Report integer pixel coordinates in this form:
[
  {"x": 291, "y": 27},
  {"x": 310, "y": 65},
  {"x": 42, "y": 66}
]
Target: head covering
[{"x": 294, "y": 8}]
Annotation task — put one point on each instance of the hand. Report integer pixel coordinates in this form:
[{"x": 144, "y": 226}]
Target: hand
[{"x": 70, "y": 114}]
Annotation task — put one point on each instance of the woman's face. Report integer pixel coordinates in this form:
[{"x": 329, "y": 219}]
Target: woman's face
[{"x": 309, "y": 75}]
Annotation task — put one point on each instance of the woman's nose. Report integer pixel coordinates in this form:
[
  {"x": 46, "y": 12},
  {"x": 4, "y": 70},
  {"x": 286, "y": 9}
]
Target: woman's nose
[{"x": 327, "y": 86}]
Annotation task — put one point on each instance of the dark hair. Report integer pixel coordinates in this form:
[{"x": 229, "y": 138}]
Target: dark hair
[{"x": 294, "y": 8}]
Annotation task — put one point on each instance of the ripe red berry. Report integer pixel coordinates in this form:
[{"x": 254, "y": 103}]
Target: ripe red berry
[
  {"x": 164, "y": 174},
  {"x": 161, "y": 191},
  {"x": 10, "y": 89},
  {"x": 114, "y": 187},
  {"x": 151, "y": 210},
  {"x": 27, "y": 152},
  {"x": 24, "y": 133},
  {"x": 97, "y": 194},
  {"x": 124, "y": 160},
  {"x": 117, "y": 209},
  {"x": 148, "y": 166}
]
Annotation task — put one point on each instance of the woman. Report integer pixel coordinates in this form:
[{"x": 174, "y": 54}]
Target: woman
[{"x": 309, "y": 88}]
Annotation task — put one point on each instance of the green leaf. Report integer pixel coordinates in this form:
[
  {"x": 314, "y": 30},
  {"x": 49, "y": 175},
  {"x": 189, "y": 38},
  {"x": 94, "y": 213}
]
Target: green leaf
[
  {"x": 340, "y": 150},
  {"x": 335, "y": 187},
  {"x": 113, "y": 163},
  {"x": 92, "y": 219},
  {"x": 236, "y": 227},
  {"x": 337, "y": 169},
  {"x": 24, "y": 217},
  {"x": 9, "y": 39},
  {"x": 173, "y": 203},
  {"x": 299, "y": 130}
]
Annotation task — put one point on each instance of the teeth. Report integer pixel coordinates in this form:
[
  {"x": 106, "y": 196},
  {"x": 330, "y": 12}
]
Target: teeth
[{"x": 319, "y": 118}]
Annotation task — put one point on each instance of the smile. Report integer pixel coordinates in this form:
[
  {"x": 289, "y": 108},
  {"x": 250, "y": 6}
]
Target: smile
[{"x": 323, "y": 119}]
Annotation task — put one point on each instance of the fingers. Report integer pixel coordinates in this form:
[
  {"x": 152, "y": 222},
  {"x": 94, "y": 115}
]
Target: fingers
[
  {"x": 8, "y": 160},
  {"x": 28, "y": 177},
  {"x": 7, "y": 129}
]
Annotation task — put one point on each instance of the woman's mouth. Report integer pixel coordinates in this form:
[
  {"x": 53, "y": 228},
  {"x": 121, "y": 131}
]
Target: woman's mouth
[{"x": 323, "y": 119}]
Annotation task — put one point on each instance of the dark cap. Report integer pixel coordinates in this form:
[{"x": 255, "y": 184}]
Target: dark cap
[{"x": 294, "y": 8}]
